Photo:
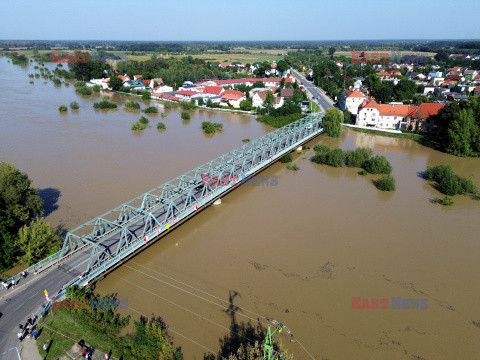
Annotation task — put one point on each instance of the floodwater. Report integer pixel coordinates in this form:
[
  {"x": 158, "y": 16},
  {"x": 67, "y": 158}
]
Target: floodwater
[{"x": 297, "y": 252}]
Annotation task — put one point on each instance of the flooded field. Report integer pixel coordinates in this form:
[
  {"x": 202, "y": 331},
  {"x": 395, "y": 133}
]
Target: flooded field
[{"x": 297, "y": 252}]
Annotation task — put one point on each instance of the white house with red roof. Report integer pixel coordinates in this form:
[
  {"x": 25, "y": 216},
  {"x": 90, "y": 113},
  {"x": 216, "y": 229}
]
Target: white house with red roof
[
  {"x": 211, "y": 91},
  {"x": 351, "y": 99},
  {"x": 124, "y": 77},
  {"x": 156, "y": 81},
  {"x": 163, "y": 89},
  {"x": 137, "y": 77},
  {"x": 185, "y": 95},
  {"x": 233, "y": 98},
  {"x": 383, "y": 116}
]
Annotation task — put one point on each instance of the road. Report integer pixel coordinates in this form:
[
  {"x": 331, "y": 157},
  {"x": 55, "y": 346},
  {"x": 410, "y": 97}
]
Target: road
[
  {"x": 320, "y": 97},
  {"x": 23, "y": 301}
]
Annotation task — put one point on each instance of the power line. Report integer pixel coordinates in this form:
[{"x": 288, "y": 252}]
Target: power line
[
  {"x": 203, "y": 292},
  {"x": 206, "y": 293},
  {"x": 198, "y": 296},
  {"x": 185, "y": 337},
  {"x": 188, "y": 310}
]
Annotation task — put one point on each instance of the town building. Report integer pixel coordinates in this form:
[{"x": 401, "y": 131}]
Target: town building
[{"x": 351, "y": 99}]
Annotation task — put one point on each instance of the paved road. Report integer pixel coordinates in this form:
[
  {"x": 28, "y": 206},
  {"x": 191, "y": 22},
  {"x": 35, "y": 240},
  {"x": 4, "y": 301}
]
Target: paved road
[
  {"x": 17, "y": 304},
  {"x": 320, "y": 97}
]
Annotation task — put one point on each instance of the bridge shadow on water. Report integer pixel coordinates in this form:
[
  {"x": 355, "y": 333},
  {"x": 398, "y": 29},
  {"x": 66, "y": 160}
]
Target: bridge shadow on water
[
  {"x": 243, "y": 338},
  {"x": 50, "y": 198}
]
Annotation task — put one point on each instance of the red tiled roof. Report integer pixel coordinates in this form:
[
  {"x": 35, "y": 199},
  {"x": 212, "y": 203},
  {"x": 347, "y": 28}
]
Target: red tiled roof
[
  {"x": 445, "y": 83},
  {"x": 395, "y": 109},
  {"x": 186, "y": 92},
  {"x": 232, "y": 95},
  {"x": 161, "y": 95},
  {"x": 158, "y": 80},
  {"x": 135, "y": 77},
  {"x": 262, "y": 94},
  {"x": 174, "y": 98},
  {"x": 146, "y": 81},
  {"x": 286, "y": 92},
  {"x": 354, "y": 93},
  {"x": 477, "y": 89},
  {"x": 454, "y": 76},
  {"x": 426, "y": 110},
  {"x": 124, "y": 78},
  {"x": 215, "y": 90}
]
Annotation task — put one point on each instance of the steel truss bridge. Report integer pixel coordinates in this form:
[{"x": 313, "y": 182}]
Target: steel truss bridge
[{"x": 119, "y": 233}]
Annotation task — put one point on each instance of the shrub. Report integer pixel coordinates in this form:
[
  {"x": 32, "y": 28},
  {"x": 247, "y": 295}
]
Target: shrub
[
  {"x": 163, "y": 115},
  {"x": 84, "y": 90},
  {"x": 448, "y": 182},
  {"x": 362, "y": 173},
  {"x": 246, "y": 140},
  {"x": 357, "y": 157},
  {"x": 124, "y": 89},
  {"x": 437, "y": 173},
  {"x": 161, "y": 126},
  {"x": 320, "y": 158},
  {"x": 321, "y": 148},
  {"x": 57, "y": 81},
  {"x": 62, "y": 108},
  {"x": 211, "y": 128},
  {"x": 105, "y": 97},
  {"x": 138, "y": 126},
  {"x": 286, "y": 158},
  {"x": 187, "y": 105},
  {"x": 185, "y": 115},
  {"x": 293, "y": 167},
  {"x": 446, "y": 201},
  {"x": 279, "y": 121},
  {"x": 377, "y": 165},
  {"x": 385, "y": 183},
  {"x": 170, "y": 105},
  {"x": 132, "y": 105},
  {"x": 151, "y": 110},
  {"x": 146, "y": 95},
  {"x": 96, "y": 88},
  {"x": 143, "y": 120},
  {"x": 336, "y": 158},
  {"x": 79, "y": 84},
  {"x": 104, "y": 104},
  {"x": 74, "y": 105}
]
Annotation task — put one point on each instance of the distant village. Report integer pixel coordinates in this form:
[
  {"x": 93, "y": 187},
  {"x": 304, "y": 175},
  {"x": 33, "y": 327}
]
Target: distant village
[
  {"x": 455, "y": 84},
  {"x": 458, "y": 83},
  {"x": 220, "y": 93}
]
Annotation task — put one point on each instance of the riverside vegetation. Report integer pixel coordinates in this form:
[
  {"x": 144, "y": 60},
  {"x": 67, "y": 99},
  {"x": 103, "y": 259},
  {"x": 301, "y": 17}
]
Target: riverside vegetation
[
  {"x": 101, "y": 329},
  {"x": 449, "y": 183},
  {"x": 141, "y": 124},
  {"x": 362, "y": 158},
  {"x": 25, "y": 237},
  {"x": 211, "y": 128}
]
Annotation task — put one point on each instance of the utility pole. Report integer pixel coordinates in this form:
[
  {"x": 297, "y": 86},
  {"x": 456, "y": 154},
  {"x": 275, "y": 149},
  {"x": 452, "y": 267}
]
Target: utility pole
[{"x": 268, "y": 351}]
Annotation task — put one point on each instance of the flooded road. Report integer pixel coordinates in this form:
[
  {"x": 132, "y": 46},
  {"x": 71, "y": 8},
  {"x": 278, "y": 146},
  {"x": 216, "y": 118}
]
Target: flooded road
[{"x": 297, "y": 252}]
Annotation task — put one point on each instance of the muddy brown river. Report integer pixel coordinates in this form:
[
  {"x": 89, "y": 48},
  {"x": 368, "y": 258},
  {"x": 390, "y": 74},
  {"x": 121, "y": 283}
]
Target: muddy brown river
[{"x": 297, "y": 252}]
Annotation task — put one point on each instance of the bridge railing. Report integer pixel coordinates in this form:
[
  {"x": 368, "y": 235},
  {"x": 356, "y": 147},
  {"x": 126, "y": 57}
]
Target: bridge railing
[{"x": 35, "y": 267}]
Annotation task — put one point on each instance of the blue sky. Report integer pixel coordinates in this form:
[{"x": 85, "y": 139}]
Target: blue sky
[{"x": 160, "y": 20}]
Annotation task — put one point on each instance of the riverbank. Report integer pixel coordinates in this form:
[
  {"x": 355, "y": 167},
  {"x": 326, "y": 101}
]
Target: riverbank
[{"x": 430, "y": 141}]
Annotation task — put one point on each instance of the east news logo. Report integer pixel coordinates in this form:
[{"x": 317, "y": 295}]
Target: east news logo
[{"x": 394, "y": 303}]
